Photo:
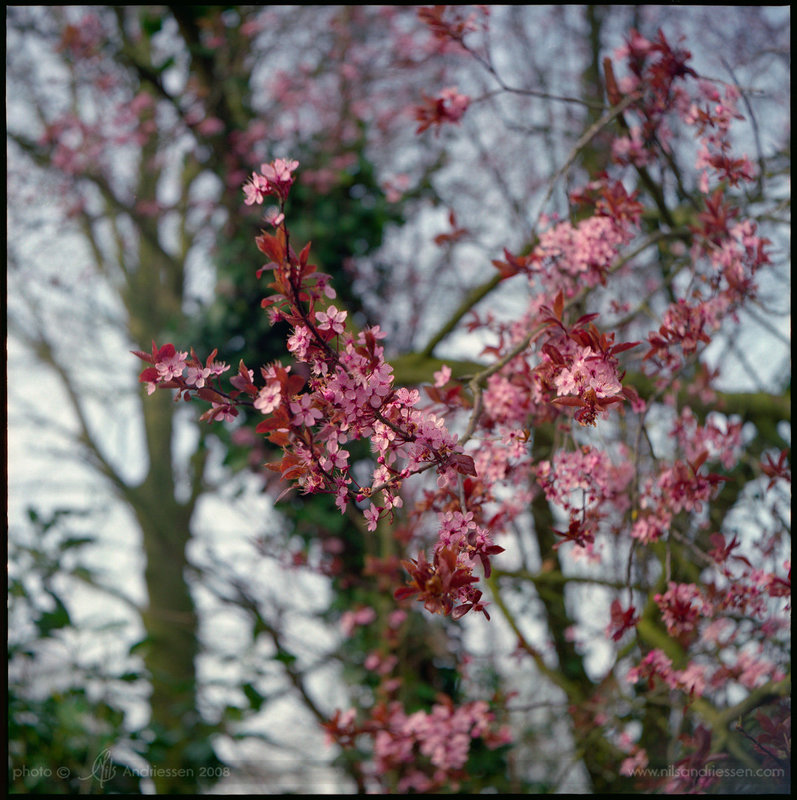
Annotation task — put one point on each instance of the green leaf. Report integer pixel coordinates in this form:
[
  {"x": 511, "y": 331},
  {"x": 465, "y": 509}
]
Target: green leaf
[
  {"x": 150, "y": 23},
  {"x": 285, "y": 657},
  {"x": 54, "y": 620},
  {"x": 139, "y": 646},
  {"x": 76, "y": 541},
  {"x": 253, "y": 696}
]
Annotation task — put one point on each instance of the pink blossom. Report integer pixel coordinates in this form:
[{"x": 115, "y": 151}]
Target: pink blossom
[
  {"x": 223, "y": 412},
  {"x": 654, "y": 664},
  {"x": 196, "y": 376},
  {"x": 682, "y": 607},
  {"x": 299, "y": 342},
  {"x": 279, "y": 176},
  {"x": 331, "y": 320},
  {"x": 273, "y": 216},
  {"x": 651, "y": 527},
  {"x": 268, "y": 398},
  {"x": 255, "y": 189},
  {"x": 692, "y": 679},
  {"x": 210, "y": 126},
  {"x": 372, "y": 516},
  {"x": 334, "y": 458},
  {"x": 449, "y": 106},
  {"x": 442, "y": 376},
  {"x": 349, "y": 620},
  {"x": 341, "y": 493},
  {"x": 172, "y": 366},
  {"x": 304, "y": 412},
  {"x": 585, "y": 252},
  {"x": 588, "y": 370},
  {"x": 753, "y": 670},
  {"x": 633, "y": 763},
  {"x": 279, "y": 171}
]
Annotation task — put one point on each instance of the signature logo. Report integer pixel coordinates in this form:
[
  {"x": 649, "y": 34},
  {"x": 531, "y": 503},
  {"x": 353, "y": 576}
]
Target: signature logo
[{"x": 103, "y": 769}]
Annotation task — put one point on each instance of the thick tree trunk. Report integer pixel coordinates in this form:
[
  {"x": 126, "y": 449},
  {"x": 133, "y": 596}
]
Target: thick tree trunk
[{"x": 171, "y": 649}]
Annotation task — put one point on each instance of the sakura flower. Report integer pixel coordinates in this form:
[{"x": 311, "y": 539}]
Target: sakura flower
[
  {"x": 216, "y": 367},
  {"x": 268, "y": 398},
  {"x": 278, "y": 175},
  {"x": 220, "y": 411},
  {"x": 692, "y": 679},
  {"x": 682, "y": 607},
  {"x": 341, "y": 493},
  {"x": 372, "y": 516},
  {"x": 273, "y": 216},
  {"x": 331, "y": 320},
  {"x": 299, "y": 342},
  {"x": 351, "y": 619},
  {"x": 279, "y": 171},
  {"x": 145, "y": 376},
  {"x": 448, "y": 107},
  {"x": 255, "y": 189},
  {"x": 442, "y": 376},
  {"x": 304, "y": 412},
  {"x": 171, "y": 366},
  {"x": 336, "y": 458},
  {"x": 196, "y": 376},
  {"x": 654, "y": 664}
]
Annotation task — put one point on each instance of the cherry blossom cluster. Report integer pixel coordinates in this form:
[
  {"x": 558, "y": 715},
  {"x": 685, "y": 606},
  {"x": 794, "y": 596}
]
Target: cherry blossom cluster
[
  {"x": 450, "y": 24},
  {"x": 449, "y": 106},
  {"x": 711, "y": 113},
  {"x": 570, "y": 256},
  {"x": 667, "y": 90},
  {"x": 679, "y": 486},
  {"x": 544, "y": 373},
  {"x": 420, "y": 751},
  {"x": 349, "y": 395},
  {"x": 427, "y": 750},
  {"x": 579, "y": 367},
  {"x": 719, "y": 437},
  {"x": 750, "y": 670},
  {"x": 657, "y": 665},
  {"x": 174, "y": 369},
  {"x": 656, "y": 73},
  {"x": 587, "y": 486},
  {"x": 682, "y": 607}
]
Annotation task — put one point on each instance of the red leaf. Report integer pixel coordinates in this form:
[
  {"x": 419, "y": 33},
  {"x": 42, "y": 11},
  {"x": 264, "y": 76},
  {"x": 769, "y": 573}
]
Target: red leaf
[
  {"x": 143, "y": 356},
  {"x": 279, "y": 438},
  {"x": 569, "y": 401},
  {"x": 272, "y": 246},
  {"x": 463, "y": 464},
  {"x": 553, "y": 353},
  {"x": 699, "y": 461},
  {"x": 210, "y": 395},
  {"x": 283, "y": 493},
  {"x": 559, "y": 305},
  {"x": 304, "y": 255},
  {"x": 620, "y": 348},
  {"x": 434, "y": 394},
  {"x": 460, "y": 611},
  {"x": 582, "y": 321}
]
